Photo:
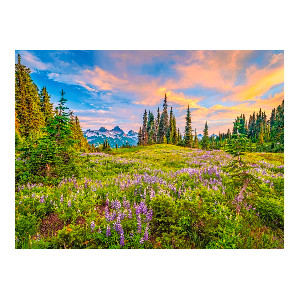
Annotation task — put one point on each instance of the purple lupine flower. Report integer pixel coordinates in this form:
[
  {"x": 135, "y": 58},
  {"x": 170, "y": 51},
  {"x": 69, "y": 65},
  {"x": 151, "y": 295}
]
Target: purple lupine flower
[
  {"x": 113, "y": 215},
  {"x": 142, "y": 240},
  {"x": 146, "y": 234},
  {"x": 118, "y": 226},
  {"x": 149, "y": 215},
  {"x": 131, "y": 234},
  {"x": 61, "y": 198},
  {"x": 139, "y": 223},
  {"x": 122, "y": 240},
  {"x": 108, "y": 230},
  {"x": 137, "y": 210},
  {"x": 92, "y": 225},
  {"x": 143, "y": 207},
  {"x": 118, "y": 204},
  {"x": 42, "y": 199},
  {"x": 69, "y": 203},
  {"x": 107, "y": 215},
  {"x": 129, "y": 215},
  {"x": 152, "y": 194},
  {"x": 99, "y": 230}
]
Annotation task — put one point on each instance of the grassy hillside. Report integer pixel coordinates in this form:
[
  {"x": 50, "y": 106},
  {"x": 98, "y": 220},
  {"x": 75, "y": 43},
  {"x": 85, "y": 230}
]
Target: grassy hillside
[{"x": 158, "y": 196}]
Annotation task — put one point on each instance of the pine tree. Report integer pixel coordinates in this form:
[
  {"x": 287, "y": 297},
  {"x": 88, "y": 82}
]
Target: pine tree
[
  {"x": 196, "y": 142},
  {"x": 140, "y": 141},
  {"x": 150, "y": 128},
  {"x": 188, "y": 129},
  {"x": 144, "y": 129},
  {"x": 27, "y": 102},
  {"x": 170, "y": 130},
  {"x": 164, "y": 123},
  {"x": 80, "y": 141},
  {"x": 156, "y": 125},
  {"x": 46, "y": 105},
  {"x": 205, "y": 138},
  {"x": 174, "y": 130}
]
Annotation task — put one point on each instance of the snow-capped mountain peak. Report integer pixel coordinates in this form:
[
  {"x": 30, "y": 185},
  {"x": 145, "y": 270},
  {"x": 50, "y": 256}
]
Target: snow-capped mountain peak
[{"x": 114, "y": 136}]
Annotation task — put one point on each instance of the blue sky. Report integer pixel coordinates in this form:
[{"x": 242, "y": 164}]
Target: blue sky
[{"x": 110, "y": 88}]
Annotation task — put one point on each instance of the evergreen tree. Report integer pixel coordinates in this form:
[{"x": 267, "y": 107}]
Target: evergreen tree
[
  {"x": 144, "y": 129},
  {"x": 188, "y": 129},
  {"x": 205, "y": 138},
  {"x": 156, "y": 130},
  {"x": 80, "y": 142},
  {"x": 174, "y": 130},
  {"x": 150, "y": 128},
  {"x": 140, "y": 141},
  {"x": 27, "y": 102},
  {"x": 196, "y": 142},
  {"x": 46, "y": 105},
  {"x": 164, "y": 123}
]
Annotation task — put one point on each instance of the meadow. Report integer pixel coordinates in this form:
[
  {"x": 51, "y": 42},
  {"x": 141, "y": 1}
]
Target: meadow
[{"x": 158, "y": 196}]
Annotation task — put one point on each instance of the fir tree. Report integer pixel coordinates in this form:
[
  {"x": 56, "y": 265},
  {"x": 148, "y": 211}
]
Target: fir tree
[
  {"x": 157, "y": 122},
  {"x": 188, "y": 129},
  {"x": 196, "y": 142},
  {"x": 27, "y": 102},
  {"x": 150, "y": 128},
  {"x": 205, "y": 138},
  {"x": 164, "y": 123},
  {"x": 144, "y": 129},
  {"x": 46, "y": 105},
  {"x": 140, "y": 141}
]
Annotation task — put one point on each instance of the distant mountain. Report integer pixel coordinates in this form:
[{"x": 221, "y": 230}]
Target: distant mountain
[
  {"x": 200, "y": 136},
  {"x": 114, "y": 136}
]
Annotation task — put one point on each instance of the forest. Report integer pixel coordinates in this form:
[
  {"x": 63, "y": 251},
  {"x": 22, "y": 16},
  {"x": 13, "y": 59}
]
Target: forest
[{"x": 174, "y": 190}]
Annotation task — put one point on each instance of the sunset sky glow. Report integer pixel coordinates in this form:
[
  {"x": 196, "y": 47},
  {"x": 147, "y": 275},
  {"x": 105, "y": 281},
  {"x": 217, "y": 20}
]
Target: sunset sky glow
[{"x": 110, "y": 88}]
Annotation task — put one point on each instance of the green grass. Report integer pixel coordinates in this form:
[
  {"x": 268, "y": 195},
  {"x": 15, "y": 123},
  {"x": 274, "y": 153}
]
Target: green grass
[{"x": 189, "y": 192}]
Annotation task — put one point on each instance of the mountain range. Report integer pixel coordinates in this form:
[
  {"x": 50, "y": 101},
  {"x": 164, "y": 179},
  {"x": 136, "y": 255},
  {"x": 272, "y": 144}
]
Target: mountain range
[{"x": 114, "y": 136}]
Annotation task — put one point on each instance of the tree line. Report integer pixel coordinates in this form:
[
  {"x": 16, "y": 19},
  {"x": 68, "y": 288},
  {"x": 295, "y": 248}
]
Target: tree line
[
  {"x": 263, "y": 134},
  {"x": 47, "y": 139}
]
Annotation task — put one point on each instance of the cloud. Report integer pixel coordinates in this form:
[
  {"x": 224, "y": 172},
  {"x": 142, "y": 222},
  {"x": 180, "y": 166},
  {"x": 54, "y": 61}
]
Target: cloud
[
  {"x": 217, "y": 85},
  {"x": 33, "y": 62},
  {"x": 211, "y": 69},
  {"x": 93, "y": 80},
  {"x": 259, "y": 81}
]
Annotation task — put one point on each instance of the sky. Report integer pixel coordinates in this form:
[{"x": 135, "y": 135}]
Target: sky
[{"x": 113, "y": 88}]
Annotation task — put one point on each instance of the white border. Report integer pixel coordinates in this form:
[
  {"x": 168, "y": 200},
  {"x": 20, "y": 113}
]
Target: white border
[{"x": 207, "y": 274}]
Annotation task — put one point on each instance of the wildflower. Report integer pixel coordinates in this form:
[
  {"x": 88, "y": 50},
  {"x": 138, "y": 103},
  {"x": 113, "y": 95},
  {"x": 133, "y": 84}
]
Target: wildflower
[
  {"x": 142, "y": 240},
  {"x": 69, "y": 203},
  {"x": 146, "y": 234},
  {"x": 61, "y": 198},
  {"x": 107, "y": 215},
  {"x": 92, "y": 225},
  {"x": 149, "y": 215},
  {"x": 122, "y": 240},
  {"x": 42, "y": 199},
  {"x": 99, "y": 230},
  {"x": 108, "y": 230},
  {"x": 129, "y": 215},
  {"x": 139, "y": 223}
]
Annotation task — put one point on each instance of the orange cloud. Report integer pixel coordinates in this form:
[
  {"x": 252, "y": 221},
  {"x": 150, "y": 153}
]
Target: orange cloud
[
  {"x": 258, "y": 83},
  {"x": 211, "y": 69},
  {"x": 226, "y": 114}
]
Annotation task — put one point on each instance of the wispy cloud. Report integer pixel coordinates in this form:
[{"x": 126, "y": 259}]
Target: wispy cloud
[{"x": 119, "y": 85}]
